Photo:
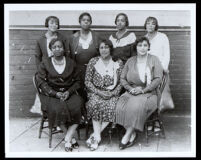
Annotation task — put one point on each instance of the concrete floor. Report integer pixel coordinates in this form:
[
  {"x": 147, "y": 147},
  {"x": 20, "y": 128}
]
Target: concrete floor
[{"x": 23, "y": 137}]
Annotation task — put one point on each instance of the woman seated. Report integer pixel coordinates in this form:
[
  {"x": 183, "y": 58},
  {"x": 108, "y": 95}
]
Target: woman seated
[
  {"x": 140, "y": 77},
  {"x": 58, "y": 79},
  {"x": 103, "y": 86}
]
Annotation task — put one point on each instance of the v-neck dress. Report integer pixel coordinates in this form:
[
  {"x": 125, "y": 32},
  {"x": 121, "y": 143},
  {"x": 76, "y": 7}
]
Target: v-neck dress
[
  {"x": 82, "y": 56},
  {"x": 97, "y": 107},
  {"x": 123, "y": 47},
  {"x": 50, "y": 81},
  {"x": 132, "y": 111}
]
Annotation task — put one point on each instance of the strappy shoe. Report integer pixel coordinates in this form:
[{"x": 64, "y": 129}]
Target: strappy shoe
[
  {"x": 122, "y": 146},
  {"x": 89, "y": 141},
  {"x": 74, "y": 143},
  {"x": 94, "y": 145},
  {"x": 68, "y": 147}
]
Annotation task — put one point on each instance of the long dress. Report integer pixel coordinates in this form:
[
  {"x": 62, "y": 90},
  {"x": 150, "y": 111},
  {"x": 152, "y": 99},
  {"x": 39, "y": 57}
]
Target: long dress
[
  {"x": 132, "y": 111},
  {"x": 42, "y": 51},
  {"x": 82, "y": 54},
  {"x": 96, "y": 79},
  {"x": 123, "y": 47},
  {"x": 50, "y": 81},
  {"x": 160, "y": 47}
]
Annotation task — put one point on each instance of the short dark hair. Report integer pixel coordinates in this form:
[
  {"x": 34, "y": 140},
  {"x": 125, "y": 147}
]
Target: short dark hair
[
  {"x": 126, "y": 18},
  {"x": 85, "y": 14},
  {"x": 139, "y": 40},
  {"x": 52, "y": 42},
  {"x": 153, "y": 19},
  {"x": 51, "y": 17}
]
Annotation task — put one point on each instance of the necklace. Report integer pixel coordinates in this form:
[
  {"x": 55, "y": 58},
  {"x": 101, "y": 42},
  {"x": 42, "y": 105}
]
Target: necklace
[{"x": 60, "y": 62}]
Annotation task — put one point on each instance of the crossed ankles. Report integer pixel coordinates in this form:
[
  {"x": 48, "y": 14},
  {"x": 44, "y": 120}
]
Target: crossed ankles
[
  {"x": 92, "y": 143},
  {"x": 69, "y": 146}
]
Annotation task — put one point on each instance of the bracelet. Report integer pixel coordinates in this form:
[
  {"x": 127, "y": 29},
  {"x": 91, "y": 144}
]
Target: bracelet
[{"x": 142, "y": 92}]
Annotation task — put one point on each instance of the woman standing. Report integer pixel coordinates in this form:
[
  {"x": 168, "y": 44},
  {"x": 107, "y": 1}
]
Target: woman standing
[
  {"x": 122, "y": 40},
  {"x": 140, "y": 77},
  {"x": 84, "y": 46},
  {"x": 103, "y": 89},
  {"x": 59, "y": 79},
  {"x": 160, "y": 47},
  {"x": 42, "y": 45}
]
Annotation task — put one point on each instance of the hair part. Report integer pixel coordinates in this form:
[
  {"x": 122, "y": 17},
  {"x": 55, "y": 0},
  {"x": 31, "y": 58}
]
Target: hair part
[
  {"x": 52, "y": 17},
  {"x": 125, "y": 16},
  {"x": 53, "y": 41},
  {"x": 85, "y": 14},
  {"x": 140, "y": 40},
  {"x": 151, "y": 19}
]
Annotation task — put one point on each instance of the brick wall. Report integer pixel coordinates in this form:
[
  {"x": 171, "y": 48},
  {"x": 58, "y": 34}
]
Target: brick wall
[{"x": 22, "y": 68}]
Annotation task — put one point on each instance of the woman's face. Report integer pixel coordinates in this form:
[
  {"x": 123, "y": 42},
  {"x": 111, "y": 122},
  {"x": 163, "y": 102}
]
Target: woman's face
[
  {"x": 57, "y": 49},
  {"x": 85, "y": 22},
  {"x": 104, "y": 51},
  {"x": 150, "y": 26},
  {"x": 53, "y": 25},
  {"x": 121, "y": 22},
  {"x": 142, "y": 48}
]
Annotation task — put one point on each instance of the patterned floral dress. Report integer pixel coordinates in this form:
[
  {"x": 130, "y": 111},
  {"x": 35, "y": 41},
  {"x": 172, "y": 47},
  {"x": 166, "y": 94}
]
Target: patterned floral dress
[{"x": 98, "y": 108}]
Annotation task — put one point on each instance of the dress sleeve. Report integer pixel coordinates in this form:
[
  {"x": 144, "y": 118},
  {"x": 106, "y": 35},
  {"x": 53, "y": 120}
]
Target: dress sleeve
[
  {"x": 118, "y": 88},
  {"x": 157, "y": 75},
  {"x": 89, "y": 76},
  {"x": 38, "y": 55},
  {"x": 123, "y": 78},
  {"x": 42, "y": 81},
  {"x": 76, "y": 80},
  {"x": 166, "y": 52}
]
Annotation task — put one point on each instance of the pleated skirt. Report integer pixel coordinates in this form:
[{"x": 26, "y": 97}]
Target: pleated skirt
[{"x": 132, "y": 111}]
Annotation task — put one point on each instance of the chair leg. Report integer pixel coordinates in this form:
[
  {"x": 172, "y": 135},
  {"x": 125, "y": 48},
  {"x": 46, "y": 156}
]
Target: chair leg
[
  {"x": 87, "y": 131},
  {"x": 50, "y": 137},
  {"x": 110, "y": 134},
  {"x": 78, "y": 132},
  {"x": 41, "y": 127},
  {"x": 146, "y": 133},
  {"x": 162, "y": 129}
]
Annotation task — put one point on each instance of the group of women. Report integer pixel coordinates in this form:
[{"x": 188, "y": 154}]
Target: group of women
[{"x": 114, "y": 79}]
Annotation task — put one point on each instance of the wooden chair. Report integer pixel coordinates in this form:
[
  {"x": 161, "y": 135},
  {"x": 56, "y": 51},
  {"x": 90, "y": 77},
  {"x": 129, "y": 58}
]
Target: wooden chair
[
  {"x": 155, "y": 116},
  {"x": 52, "y": 130}
]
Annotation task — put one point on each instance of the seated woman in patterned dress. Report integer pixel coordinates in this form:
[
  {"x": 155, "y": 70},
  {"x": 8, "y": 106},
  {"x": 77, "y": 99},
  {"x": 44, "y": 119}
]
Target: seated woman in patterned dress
[
  {"x": 140, "y": 77},
  {"x": 103, "y": 88},
  {"x": 59, "y": 79}
]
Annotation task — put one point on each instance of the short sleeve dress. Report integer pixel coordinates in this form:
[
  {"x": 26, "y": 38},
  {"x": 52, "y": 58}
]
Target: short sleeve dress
[{"x": 96, "y": 79}]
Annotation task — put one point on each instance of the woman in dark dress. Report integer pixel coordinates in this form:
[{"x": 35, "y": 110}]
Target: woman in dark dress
[
  {"x": 83, "y": 47},
  {"x": 42, "y": 50},
  {"x": 122, "y": 40},
  {"x": 59, "y": 79}
]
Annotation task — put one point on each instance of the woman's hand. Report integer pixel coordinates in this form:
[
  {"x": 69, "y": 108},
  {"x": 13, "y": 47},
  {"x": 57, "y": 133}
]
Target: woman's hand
[
  {"x": 65, "y": 96},
  {"x": 136, "y": 91},
  {"x": 105, "y": 94},
  {"x": 59, "y": 95}
]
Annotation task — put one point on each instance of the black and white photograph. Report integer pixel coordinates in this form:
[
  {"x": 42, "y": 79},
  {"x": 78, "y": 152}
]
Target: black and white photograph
[{"x": 100, "y": 80}]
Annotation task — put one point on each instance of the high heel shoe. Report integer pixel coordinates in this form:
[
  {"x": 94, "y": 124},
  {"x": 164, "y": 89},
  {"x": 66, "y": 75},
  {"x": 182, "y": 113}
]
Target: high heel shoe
[
  {"x": 130, "y": 144},
  {"x": 122, "y": 146},
  {"x": 89, "y": 141},
  {"x": 74, "y": 143},
  {"x": 94, "y": 145},
  {"x": 68, "y": 147}
]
